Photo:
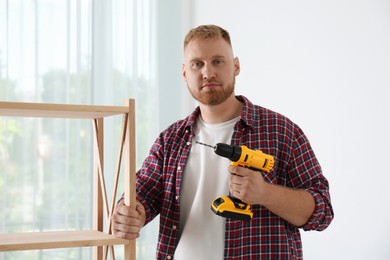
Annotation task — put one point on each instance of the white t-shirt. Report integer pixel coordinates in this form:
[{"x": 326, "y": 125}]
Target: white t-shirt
[{"x": 205, "y": 178}]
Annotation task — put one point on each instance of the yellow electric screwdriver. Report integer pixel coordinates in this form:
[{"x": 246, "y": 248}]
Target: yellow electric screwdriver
[{"x": 228, "y": 206}]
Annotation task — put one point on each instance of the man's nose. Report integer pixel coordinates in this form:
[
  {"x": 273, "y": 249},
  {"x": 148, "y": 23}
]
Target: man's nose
[{"x": 208, "y": 72}]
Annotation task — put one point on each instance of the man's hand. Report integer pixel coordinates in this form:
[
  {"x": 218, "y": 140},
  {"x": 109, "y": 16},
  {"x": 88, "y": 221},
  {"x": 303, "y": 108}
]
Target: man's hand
[
  {"x": 127, "y": 222},
  {"x": 247, "y": 185},
  {"x": 294, "y": 205}
]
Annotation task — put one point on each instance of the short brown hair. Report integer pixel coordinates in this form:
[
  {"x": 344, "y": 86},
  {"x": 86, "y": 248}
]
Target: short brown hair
[{"x": 207, "y": 32}]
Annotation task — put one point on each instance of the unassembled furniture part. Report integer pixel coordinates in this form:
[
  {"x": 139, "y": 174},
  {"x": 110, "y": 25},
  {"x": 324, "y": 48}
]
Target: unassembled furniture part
[{"x": 100, "y": 240}]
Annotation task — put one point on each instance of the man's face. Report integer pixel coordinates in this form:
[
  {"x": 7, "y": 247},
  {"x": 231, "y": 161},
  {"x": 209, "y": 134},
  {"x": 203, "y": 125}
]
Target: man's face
[{"x": 209, "y": 70}]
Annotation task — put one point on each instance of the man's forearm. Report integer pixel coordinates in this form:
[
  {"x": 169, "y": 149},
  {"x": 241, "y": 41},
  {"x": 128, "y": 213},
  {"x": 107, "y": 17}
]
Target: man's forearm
[{"x": 295, "y": 206}]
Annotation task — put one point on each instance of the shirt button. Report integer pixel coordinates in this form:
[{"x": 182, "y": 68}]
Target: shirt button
[
  {"x": 177, "y": 197},
  {"x": 174, "y": 227},
  {"x": 179, "y": 168},
  {"x": 169, "y": 257},
  {"x": 188, "y": 143}
]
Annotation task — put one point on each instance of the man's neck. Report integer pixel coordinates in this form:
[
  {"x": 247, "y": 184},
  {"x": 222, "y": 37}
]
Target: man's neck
[{"x": 223, "y": 112}]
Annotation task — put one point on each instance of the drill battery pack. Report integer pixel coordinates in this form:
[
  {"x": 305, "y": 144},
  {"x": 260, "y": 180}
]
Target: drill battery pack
[{"x": 233, "y": 208}]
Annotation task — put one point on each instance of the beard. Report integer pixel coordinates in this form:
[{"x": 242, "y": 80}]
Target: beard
[{"x": 214, "y": 96}]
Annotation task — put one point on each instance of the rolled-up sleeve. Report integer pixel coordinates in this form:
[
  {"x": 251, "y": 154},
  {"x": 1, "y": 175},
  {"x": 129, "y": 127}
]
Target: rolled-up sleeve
[
  {"x": 323, "y": 212},
  {"x": 306, "y": 173}
]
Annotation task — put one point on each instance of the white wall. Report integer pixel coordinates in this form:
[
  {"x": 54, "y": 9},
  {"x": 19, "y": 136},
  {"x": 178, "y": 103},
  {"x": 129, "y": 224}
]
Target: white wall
[{"x": 326, "y": 65}]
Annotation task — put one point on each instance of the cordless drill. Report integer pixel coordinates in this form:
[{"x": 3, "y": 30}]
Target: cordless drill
[{"x": 228, "y": 206}]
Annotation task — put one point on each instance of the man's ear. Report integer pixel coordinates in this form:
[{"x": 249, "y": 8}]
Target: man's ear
[
  {"x": 236, "y": 66},
  {"x": 183, "y": 72}
]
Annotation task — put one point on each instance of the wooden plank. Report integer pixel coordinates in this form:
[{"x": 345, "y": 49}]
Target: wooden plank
[
  {"x": 130, "y": 171},
  {"x": 59, "y": 110},
  {"x": 57, "y": 239},
  {"x": 98, "y": 155}
]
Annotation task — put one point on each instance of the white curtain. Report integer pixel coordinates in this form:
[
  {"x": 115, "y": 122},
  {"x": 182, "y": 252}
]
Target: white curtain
[{"x": 74, "y": 52}]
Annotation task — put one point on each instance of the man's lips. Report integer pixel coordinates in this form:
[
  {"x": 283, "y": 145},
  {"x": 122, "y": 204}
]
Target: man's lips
[{"x": 210, "y": 85}]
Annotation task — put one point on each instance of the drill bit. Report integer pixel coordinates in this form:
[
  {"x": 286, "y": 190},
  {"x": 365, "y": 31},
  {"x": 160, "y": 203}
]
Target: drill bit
[{"x": 208, "y": 145}]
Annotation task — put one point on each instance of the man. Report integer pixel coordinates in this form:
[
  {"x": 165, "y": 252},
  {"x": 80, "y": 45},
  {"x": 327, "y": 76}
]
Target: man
[{"x": 180, "y": 178}]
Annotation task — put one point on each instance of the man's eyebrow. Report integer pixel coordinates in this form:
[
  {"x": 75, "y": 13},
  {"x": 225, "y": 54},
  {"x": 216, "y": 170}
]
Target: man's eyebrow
[
  {"x": 218, "y": 57},
  {"x": 213, "y": 57},
  {"x": 194, "y": 60}
]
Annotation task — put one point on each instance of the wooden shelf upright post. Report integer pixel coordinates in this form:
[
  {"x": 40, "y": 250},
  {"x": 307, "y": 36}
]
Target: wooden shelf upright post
[{"x": 130, "y": 170}]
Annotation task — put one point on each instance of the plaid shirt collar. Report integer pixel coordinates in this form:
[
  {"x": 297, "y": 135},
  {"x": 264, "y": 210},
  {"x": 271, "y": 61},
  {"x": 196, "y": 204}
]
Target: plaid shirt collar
[{"x": 247, "y": 114}]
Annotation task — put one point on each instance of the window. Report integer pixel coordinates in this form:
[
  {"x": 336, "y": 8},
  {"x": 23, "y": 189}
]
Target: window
[{"x": 74, "y": 52}]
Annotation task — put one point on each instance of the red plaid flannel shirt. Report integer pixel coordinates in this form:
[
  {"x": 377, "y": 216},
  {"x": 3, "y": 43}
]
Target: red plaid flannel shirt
[{"x": 266, "y": 236}]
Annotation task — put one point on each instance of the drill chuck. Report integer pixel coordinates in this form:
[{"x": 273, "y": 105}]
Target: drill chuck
[{"x": 231, "y": 152}]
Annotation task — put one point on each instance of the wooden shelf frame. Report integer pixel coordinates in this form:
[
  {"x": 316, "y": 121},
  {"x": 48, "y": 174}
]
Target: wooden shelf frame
[
  {"x": 57, "y": 239},
  {"x": 97, "y": 237}
]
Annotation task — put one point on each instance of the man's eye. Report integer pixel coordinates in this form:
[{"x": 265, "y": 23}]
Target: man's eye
[
  {"x": 197, "y": 65},
  {"x": 218, "y": 62}
]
